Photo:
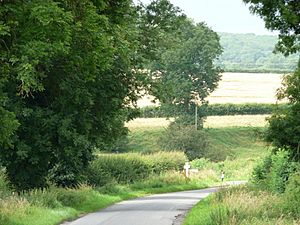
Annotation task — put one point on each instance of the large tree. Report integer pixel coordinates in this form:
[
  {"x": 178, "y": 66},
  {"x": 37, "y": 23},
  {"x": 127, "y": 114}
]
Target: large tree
[
  {"x": 284, "y": 16},
  {"x": 66, "y": 85},
  {"x": 181, "y": 57}
]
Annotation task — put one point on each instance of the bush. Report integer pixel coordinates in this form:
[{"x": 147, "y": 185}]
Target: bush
[
  {"x": 292, "y": 195},
  {"x": 274, "y": 172},
  {"x": 200, "y": 163},
  {"x": 132, "y": 167},
  {"x": 194, "y": 143},
  {"x": 4, "y": 185},
  {"x": 261, "y": 171},
  {"x": 122, "y": 168},
  {"x": 165, "y": 161}
]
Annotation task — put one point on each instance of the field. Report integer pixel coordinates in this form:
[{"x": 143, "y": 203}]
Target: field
[
  {"x": 240, "y": 88},
  {"x": 247, "y": 88},
  {"x": 237, "y": 135},
  {"x": 210, "y": 122}
]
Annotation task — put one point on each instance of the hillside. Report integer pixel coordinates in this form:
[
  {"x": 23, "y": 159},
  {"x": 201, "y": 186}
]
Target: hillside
[{"x": 253, "y": 53}]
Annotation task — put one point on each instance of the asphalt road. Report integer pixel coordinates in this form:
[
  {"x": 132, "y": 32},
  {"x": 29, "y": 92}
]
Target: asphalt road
[{"x": 161, "y": 209}]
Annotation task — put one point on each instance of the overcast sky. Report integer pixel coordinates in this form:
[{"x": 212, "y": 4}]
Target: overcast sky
[{"x": 231, "y": 16}]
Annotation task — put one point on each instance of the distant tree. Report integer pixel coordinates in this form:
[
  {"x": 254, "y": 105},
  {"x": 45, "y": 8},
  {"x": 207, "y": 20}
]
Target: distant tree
[
  {"x": 283, "y": 16},
  {"x": 188, "y": 72},
  {"x": 181, "y": 56}
]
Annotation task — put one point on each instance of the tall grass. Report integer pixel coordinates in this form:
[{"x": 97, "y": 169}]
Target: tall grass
[{"x": 242, "y": 206}]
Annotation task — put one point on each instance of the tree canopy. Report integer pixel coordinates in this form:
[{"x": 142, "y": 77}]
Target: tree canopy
[
  {"x": 283, "y": 16},
  {"x": 182, "y": 59},
  {"x": 67, "y": 85}
]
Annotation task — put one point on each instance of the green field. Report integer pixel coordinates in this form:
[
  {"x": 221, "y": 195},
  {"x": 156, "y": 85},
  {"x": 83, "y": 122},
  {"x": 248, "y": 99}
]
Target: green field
[{"x": 242, "y": 144}]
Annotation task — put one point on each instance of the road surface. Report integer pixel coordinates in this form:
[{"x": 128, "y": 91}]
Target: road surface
[{"x": 160, "y": 209}]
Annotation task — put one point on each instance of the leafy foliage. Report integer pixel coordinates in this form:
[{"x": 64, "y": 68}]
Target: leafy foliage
[
  {"x": 194, "y": 143},
  {"x": 273, "y": 174},
  {"x": 284, "y": 126},
  {"x": 182, "y": 66},
  {"x": 284, "y": 16},
  {"x": 281, "y": 15},
  {"x": 61, "y": 64},
  {"x": 128, "y": 168},
  {"x": 217, "y": 110}
]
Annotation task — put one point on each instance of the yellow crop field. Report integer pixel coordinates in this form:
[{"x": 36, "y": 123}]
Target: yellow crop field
[
  {"x": 239, "y": 88},
  {"x": 247, "y": 88},
  {"x": 210, "y": 122}
]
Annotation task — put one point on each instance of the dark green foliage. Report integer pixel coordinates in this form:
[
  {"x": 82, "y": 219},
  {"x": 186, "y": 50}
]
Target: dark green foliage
[
  {"x": 217, "y": 110},
  {"x": 253, "y": 53},
  {"x": 273, "y": 174},
  {"x": 66, "y": 85},
  {"x": 284, "y": 16},
  {"x": 194, "y": 143},
  {"x": 284, "y": 129},
  {"x": 281, "y": 15},
  {"x": 261, "y": 171}
]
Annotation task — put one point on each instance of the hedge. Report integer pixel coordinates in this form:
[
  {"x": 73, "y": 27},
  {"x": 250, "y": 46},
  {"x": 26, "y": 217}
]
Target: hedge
[{"x": 218, "y": 110}]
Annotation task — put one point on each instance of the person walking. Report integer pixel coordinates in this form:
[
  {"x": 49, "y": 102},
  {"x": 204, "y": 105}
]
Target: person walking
[{"x": 222, "y": 176}]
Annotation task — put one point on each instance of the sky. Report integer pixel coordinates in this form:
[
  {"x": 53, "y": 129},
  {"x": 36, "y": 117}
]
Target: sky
[{"x": 231, "y": 16}]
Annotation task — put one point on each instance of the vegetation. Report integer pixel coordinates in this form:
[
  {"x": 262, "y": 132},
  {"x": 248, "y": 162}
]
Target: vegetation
[
  {"x": 217, "y": 110},
  {"x": 274, "y": 199},
  {"x": 132, "y": 167},
  {"x": 194, "y": 143},
  {"x": 182, "y": 61},
  {"x": 53, "y": 205},
  {"x": 281, "y": 15},
  {"x": 71, "y": 72},
  {"x": 253, "y": 53},
  {"x": 243, "y": 205},
  {"x": 61, "y": 64}
]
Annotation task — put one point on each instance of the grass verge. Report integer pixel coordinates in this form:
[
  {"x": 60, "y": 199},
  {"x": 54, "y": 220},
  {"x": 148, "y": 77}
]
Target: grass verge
[
  {"x": 54, "y": 205},
  {"x": 241, "y": 206}
]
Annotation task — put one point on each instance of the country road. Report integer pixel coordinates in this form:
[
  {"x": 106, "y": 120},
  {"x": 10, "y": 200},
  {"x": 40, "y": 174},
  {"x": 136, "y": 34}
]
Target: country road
[{"x": 160, "y": 209}]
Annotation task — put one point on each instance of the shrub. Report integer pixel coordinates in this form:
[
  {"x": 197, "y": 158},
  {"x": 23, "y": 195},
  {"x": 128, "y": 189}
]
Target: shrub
[
  {"x": 280, "y": 171},
  {"x": 164, "y": 161},
  {"x": 194, "y": 143},
  {"x": 274, "y": 172},
  {"x": 199, "y": 163},
  {"x": 122, "y": 168},
  {"x": 261, "y": 171},
  {"x": 4, "y": 185},
  {"x": 292, "y": 195},
  {"x": 132, "y": 167}
]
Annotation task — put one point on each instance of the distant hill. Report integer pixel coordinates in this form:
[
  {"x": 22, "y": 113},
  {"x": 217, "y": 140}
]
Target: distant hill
[{"x": 253, "y": 53}]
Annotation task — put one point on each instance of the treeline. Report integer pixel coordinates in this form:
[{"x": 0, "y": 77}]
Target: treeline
[
  {"x": 253, "y": 53},
  {"x": 216, "y": 110}
]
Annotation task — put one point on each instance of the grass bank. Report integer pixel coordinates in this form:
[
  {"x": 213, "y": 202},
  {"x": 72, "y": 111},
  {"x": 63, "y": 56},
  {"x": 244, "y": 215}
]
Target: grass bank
[
  {"x": 54, "y": 205},
  {"x": 242, "y": 206}
]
